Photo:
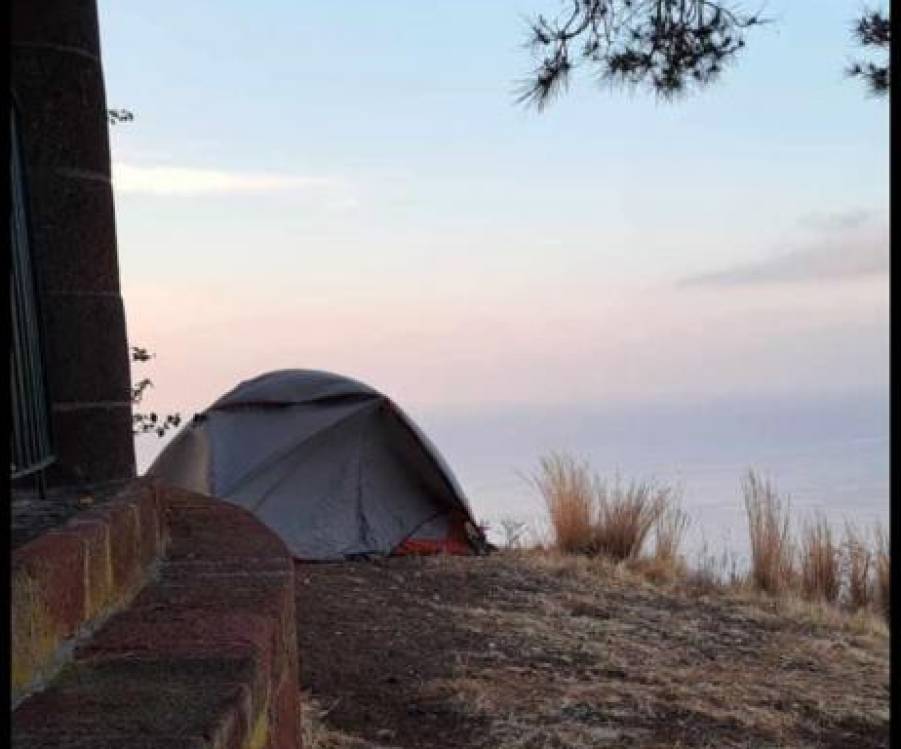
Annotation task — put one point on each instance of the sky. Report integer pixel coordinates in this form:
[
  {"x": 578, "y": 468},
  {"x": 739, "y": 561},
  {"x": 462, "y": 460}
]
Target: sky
[{"x": 352, "y": 187}]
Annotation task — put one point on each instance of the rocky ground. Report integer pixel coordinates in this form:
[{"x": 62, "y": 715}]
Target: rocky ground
[{"x": 527, "y": 650}]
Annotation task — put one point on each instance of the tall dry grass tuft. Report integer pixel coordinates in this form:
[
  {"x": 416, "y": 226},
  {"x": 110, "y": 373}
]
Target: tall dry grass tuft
[
  {"x": 883, "y": 588},
  {"x": 669, "y": 531},
  {"x": 769, "y": 529},
  {"x": 626, "y": 514},
  {"x": 859, "y": 559},
  {"x": 568, "y": 489},
  {"x": 590, "y": 516},
  {"x": 820, "y": 562}
]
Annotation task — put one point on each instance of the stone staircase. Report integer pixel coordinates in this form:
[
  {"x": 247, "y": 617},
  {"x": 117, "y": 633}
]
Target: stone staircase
[{"x": 161, "y": 619}]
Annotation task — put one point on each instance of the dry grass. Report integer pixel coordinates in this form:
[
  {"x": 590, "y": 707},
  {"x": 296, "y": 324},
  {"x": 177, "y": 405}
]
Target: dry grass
[
  {"x": 614, "y": 521},
  {"x": 514, "y": 532},
  {"x": 586, "y": 654},
  {"x": 769, "y": 529},
  {"x": 626, "y": 514},
  {"x": 859, "y": 560},
  {"x": 820, "y": 562},
  {"x": 819, "y": 616},
  {"x": 883, "y": 565},
  {"x": 590, "y": 516},
  {"x": 669, "y": 531},
  {"x": 712, "y": 574},
  {"x": 665, "y": 564},
  {"x": 317, "y": 734},
  {"x": 568, "y": 489},
  {"x": 548, "y": 649}
]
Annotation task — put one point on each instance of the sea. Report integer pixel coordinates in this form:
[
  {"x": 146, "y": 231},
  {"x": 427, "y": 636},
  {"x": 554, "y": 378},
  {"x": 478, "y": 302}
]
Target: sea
[{"x": 825, "y": 454}]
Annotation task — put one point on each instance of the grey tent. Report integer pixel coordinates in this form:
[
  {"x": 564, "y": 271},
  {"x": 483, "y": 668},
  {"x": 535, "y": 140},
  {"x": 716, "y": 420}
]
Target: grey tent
[{"x": 328, "y": 463}]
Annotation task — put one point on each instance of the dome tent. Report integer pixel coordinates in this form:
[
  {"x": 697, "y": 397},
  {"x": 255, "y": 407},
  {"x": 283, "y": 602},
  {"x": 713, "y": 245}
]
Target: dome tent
[{"x": 330, "y": 464}]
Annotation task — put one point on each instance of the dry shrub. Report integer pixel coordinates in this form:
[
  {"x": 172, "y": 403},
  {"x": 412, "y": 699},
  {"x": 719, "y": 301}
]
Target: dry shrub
[
  {"x": 769, "y": 528},
  {"x": 859, "y": 559},
  {"x": 589, "y": 517},
  {"x": 626, "y": 514},
  {"x": 883, "y": 565},
  {"x": 820, "y": 562},
  {"x": 568, "y": 489}
]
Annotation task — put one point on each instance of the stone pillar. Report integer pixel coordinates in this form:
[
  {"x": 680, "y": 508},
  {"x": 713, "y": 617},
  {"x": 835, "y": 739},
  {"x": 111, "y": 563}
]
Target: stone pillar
[{"x": 57, "y": 82}]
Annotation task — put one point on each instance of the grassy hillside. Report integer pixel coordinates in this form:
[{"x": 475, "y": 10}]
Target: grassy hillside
[{"x": 540, "y": 649}]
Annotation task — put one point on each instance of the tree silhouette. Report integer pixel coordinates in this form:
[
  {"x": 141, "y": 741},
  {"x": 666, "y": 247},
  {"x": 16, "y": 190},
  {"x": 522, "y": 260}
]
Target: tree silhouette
[
  {"x": 115, "y": 116},
  {"x": 144, "y": 423},
  {"x": 669, "y": 46},
  {"x": 873, "y": 30}
]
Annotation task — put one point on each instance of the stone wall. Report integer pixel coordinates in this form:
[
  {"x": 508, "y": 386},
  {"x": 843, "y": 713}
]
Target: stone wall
[
  {"x": 162, "y": 619},
  {"x": 66, "y": 581}
]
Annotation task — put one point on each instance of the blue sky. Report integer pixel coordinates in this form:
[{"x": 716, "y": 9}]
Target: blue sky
[{"x": 350, "y": 186}]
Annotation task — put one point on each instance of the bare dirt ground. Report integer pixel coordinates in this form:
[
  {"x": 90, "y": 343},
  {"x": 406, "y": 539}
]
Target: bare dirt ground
[{"x": 526, "y": 650}]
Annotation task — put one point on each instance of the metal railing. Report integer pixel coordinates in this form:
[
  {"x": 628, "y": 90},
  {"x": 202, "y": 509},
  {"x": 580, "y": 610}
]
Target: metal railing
[{"x": 31, "y": 445}]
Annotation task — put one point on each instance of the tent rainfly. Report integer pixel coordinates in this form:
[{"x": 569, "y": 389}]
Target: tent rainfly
[{"x": 331, "y": 465}]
